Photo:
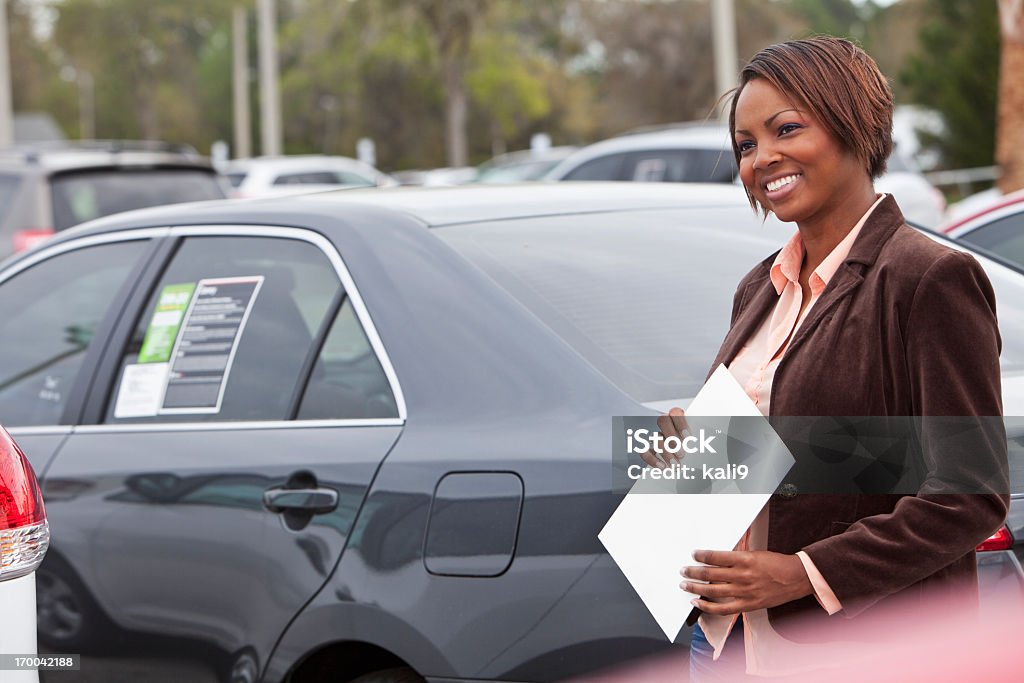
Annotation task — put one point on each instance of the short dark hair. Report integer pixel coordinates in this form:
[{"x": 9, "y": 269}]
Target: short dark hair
[{"x": 839, "y": 84}]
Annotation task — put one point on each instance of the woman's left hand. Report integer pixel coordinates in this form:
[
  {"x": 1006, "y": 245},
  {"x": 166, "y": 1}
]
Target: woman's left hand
[{"x": 744, "y": 581}]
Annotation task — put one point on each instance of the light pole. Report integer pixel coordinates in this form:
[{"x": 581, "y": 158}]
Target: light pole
[
  {"x": 6, "y": 111},
  {"x": 270, "y": 100},
  {"x": 240, "y": 83},
  {"x": 86, "y": 99},
  {"x": 723, "y": 24}
]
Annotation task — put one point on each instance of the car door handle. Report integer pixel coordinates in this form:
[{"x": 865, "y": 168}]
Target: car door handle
[{"x": 315, "y": 500}]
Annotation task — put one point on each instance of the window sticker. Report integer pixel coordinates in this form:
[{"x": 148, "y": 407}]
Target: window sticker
[
  {"x": 206, "y": 344},
  {"x": 163, "y": 328},
  {"x": 142, "y": 388},
  {"x": 188, "y": 350}
]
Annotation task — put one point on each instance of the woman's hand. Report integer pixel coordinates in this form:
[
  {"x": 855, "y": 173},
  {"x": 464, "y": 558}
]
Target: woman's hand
[
  {"x": 744, "y": 581},
  {"x": 673, "y": 424}
]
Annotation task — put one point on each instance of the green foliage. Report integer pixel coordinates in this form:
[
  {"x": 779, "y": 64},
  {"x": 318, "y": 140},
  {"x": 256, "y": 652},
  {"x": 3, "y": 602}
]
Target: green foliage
[
  {"x": 143, "y": 58},
  {"x": 840, "y": 18},
  {"x": 506, "y": 84},
  {"x": 575, "y": 69},
  {"x": 955, "y": 71}
]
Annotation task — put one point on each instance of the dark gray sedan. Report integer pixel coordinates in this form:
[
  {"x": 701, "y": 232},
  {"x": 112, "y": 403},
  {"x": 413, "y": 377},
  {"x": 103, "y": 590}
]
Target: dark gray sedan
[{"x": 362, "y": 435}]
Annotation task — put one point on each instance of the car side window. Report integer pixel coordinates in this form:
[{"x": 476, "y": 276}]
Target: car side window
[
  {"x": 306, "y": 178},
  {"x": 49, "y": 315},
  {"x": 348, "y": 381},
  {"x": 682, "y": 166},
  {"x": 603, "y": 168},
  {"x": 1003, "y": 237},
  {"x": 226, "y": 333}
]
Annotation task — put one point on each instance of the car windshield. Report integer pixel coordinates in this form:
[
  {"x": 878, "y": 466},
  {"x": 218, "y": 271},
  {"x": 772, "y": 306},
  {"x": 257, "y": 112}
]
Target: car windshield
[
  {"x": 83, "y": 195},
  {"x": 645, "y": 296}
]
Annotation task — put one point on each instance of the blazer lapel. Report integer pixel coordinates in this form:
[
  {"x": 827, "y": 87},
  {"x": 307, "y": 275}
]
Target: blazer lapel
[
  {"x": 758, "y": 298},
  {"x": 875, "y": 232}
]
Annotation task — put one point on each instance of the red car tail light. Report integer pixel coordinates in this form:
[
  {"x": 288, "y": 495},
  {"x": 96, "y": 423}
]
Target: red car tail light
[
  {"x": 1000, "y": 540},
  {"x": 24, "y": 533},
  {"x": 26, "y": 239}
]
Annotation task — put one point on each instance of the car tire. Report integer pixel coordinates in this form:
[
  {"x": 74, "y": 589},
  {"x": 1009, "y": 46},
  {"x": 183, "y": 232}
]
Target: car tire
[
  {"x": 67, "y": 617},
  {"x": 400, "y": 675}
]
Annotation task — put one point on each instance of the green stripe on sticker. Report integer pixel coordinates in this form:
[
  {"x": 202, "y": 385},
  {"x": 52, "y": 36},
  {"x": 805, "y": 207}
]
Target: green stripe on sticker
[{"x": 166, "y": 323}]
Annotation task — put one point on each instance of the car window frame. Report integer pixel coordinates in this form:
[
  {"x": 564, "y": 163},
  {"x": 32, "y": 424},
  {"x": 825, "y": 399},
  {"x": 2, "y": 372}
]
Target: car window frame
[
  {"x": 79, "y": 391},
  {"x": 105, "y": 379}
]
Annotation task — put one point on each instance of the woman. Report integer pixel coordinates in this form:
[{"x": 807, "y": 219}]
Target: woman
[{"x": 858, "y": 314}]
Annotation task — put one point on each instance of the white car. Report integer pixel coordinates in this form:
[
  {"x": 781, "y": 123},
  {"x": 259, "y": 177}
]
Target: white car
[
  {"x": 997, "y": 229},
  {"x": 284, "y": 175},
  {"x": 691, "y": 153},
  {"x": 24, "y": 537}
]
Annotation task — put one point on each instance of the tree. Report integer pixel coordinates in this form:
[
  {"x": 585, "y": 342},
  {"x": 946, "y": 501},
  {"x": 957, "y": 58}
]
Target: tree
[
  {"x": 955, "y": 71},
  {"x": 1010, "y": 122},
  {"x": 368, "y": 68},
  {"x": 452, "y": 24},
  {"x": 143, "y": 58}
]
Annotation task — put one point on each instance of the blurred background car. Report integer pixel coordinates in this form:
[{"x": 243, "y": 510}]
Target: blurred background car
[
  {"x": 395, "y": 460},
  {"x": 522, "y": 166},
  {"x": 437, "y": 177},
  {"x": 702, "y": 152},
  {"x": 24, "y": 536},
  {"x": 46, "y": 188},
  {"x": 997, "y": 229},
  {"x": 284, "y": 175}
]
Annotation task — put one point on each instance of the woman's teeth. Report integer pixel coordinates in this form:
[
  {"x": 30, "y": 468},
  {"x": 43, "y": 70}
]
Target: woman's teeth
[{"x": 781, "y": 182}]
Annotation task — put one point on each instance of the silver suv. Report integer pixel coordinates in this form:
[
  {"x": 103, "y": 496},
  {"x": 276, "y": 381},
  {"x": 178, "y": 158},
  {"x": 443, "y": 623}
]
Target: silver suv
[
  {"x": 45, "y": 188},
  {"x": 701, "y": 152}
]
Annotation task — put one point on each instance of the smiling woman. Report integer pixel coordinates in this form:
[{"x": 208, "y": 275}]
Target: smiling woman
[{"x": 851, "y": 318}]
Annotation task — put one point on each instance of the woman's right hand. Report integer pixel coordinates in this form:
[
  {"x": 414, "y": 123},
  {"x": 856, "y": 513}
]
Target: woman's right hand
[{"x": 672, "y": 424}]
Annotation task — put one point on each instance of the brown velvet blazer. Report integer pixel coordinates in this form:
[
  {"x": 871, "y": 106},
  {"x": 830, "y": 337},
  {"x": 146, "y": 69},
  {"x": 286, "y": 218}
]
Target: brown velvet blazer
[{"x": 905, "y": 327}]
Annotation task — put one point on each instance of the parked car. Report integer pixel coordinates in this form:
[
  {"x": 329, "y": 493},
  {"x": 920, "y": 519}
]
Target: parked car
[
  {"x": 46, "y": 188},
  {"x": 522, "y": 166},
  {"x": 437, "y": 177},
  {"x": 363, "y": 435},
  {"x": 700, "y": 153},
  {"x": 24, "y": 535},
  {"x": 998, "y": 229},
  {"x": 283, "y": 175}
]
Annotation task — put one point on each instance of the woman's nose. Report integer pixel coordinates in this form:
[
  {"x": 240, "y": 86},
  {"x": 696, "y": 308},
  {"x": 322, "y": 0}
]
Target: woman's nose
[{"x": 765, "y": 155}]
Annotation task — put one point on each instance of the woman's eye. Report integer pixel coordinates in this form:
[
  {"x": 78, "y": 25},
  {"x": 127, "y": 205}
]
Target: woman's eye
[
  {"x": 787, "y": 128},
  {"x": 745, "y": 146}
]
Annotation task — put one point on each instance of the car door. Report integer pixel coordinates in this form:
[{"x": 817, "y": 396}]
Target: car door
[{"x": 238, "y": 420}]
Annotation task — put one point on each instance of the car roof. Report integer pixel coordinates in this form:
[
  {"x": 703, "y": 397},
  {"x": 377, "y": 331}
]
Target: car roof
[
  {"x": 72, "y": 160},
  {"x": 714, "y": 137},
  {"x": 287, "y": 162},
  {"x": 429, "y": 206},
  {"x": 78, "y": 154},
  {"x": 438, "y": 206}
]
